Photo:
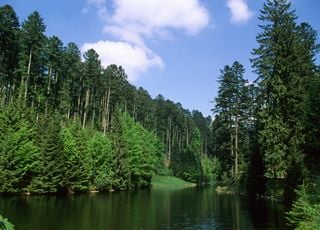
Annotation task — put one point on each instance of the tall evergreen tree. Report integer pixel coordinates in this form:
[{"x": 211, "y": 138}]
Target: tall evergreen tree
[
  {"x": 284, "y": 62},
  {"x": 32, "y": 40},
  {"x": 19, "y": 156},
  {"x": 52, "y": 168},
  {"x": 9, "y": 50},
  {"x": 231, "y": 112}
]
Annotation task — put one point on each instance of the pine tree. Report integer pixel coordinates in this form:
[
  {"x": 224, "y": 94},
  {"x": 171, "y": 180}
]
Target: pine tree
[
  {"x": 52, "y": 168},
  {"x": 9, "y": 48},
  {"x": 32, "y": 40},
  {"x": 77, "y": 161},
  {"x": 19, "y": 156},
  {"x": 231, "y": 115},
  {"x": 103, "y": 166}
]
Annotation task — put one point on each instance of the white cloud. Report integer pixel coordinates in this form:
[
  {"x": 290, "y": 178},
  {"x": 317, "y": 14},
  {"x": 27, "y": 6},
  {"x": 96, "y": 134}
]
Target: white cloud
[
  {"x": 132, "y": 22},
  {"x": 134, "y": 59},
  {"x": 152, "y": 15},
  {"x": 240, "y": 11}
]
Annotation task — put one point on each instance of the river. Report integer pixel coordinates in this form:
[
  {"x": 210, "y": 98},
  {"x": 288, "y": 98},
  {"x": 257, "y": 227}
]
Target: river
[{"x": 189, "y": 208}]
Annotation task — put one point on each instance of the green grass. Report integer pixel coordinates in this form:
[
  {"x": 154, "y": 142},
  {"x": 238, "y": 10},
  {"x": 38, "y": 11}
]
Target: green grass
[{"x": 169, "y": 182}]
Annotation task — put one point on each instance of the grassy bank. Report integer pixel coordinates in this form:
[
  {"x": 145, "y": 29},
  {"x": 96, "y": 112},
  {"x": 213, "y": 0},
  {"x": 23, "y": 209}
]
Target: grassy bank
[{"x": 169, "y": 182}]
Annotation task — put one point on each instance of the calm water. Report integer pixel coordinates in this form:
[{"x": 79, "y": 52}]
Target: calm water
[{"x": 192, "y": 208}]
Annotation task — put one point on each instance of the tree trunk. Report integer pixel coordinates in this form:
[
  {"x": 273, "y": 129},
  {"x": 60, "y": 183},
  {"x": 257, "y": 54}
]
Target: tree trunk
[
  {"x": 28, "y": 74},
  {"x": 107, "y": 109},
  {"x": 232, "y": 154},
  {"x": 48, "y": 91},
  {"x": 236, "y": 166},
  {"x": 85, "y": 109}
]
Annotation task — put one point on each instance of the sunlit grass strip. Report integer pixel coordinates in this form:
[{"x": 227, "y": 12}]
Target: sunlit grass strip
[{"x": 169, "y": 182}]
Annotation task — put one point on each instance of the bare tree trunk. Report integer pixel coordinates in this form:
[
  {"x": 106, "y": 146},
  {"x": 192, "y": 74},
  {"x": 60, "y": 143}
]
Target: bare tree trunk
[
  {"x": 232, "y": 154},
  {"x": 28, "y": 74},
  {"x": 85, "y": 108},
  {"x": 236, "y": 149},
  {"x": 169, "y": 143},
  {"x": 107, "y": 109},
  {"x": 48, "y": 91}
]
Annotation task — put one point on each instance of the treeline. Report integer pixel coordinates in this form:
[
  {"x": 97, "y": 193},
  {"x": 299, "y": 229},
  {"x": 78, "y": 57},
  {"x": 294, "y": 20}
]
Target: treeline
[
  {"x": 69, "y": 124},
  {"x": 266, "y": 133}
]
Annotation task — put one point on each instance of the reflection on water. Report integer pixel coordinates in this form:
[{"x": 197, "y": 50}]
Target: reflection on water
[{"x": 192, "y": 208}]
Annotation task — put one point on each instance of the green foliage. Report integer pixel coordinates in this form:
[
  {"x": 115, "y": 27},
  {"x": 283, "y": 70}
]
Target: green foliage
[
  {"x": 232, "y": 120},
  {"x": 5, "y": 224},
  {"x": 141, "y": 152},
  {"x": 211, "y": 169},
  {"x": 102, "y": 162},
  {"x": 169, "y": 182},
  {"x": 52, "y": 168},
  {"x": 272, "y": 138},
  {"x": 77, "y": 172},
  {"x": 304, "y": 214},
  {"x": 18, "y": 152}
]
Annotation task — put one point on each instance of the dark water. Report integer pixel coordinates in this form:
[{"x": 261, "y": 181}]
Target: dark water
[{"x": 192, "y": 208}]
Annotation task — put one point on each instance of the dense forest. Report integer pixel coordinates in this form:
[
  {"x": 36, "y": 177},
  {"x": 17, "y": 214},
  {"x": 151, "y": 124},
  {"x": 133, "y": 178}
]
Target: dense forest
[{"x": 69, "y": 124}]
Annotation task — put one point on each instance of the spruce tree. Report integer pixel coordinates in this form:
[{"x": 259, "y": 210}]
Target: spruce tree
[
  {"x": 9, "y": 50},
  {"x": 19, "y": 156}
]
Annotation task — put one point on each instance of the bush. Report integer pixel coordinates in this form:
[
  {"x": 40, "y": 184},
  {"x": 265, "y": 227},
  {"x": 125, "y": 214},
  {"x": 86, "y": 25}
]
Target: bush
[{"x": 5, "y": 224}]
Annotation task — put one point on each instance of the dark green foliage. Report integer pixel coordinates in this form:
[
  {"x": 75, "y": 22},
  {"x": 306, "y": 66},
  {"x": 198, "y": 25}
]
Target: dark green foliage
[
  {"x": 230, "y": 127},
  {"x": 9, "y": 48},
  {"x": 285, "y": 64},
  {"x": 186, "y": 163}
]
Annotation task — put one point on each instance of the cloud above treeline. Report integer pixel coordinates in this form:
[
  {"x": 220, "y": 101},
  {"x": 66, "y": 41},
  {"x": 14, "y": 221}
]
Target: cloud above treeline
[
  {"x": 240, "y": 12},
  {"x": 135, "y": 59},
  {"x": 131, "y": 23}
]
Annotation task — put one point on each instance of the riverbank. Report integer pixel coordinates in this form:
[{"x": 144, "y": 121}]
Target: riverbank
[{"x": 159, "y": 182}]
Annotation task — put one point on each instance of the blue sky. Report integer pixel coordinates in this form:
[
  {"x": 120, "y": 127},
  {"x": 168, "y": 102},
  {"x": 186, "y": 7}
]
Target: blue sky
[{"x": 171, "y": 47}]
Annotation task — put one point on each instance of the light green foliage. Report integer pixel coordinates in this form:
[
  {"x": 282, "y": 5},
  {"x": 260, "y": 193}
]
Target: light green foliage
[
  {"x": 169, "y": 182},
  {"x": 18, "y": 153},
  {"x": 211, "y": 169},
  {"x": 141, "y": 152},
  {"x": 304, "y": 214},
  {"x": 5, "y": 224},
  {"x": 77, "y": 174},
  {"x": 102, "y": 161}
]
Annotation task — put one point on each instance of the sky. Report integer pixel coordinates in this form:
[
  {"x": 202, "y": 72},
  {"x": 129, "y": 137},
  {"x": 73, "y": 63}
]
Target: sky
[{"x": 175, "y": 48}]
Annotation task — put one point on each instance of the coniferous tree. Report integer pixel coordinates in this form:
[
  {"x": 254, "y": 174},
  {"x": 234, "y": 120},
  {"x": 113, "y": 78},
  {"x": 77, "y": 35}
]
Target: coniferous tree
[
  {"x": 103, "y": 162},
  {"x": 231, "y": 115},
  {"x": 19, "y": 156},
  {"x": 32, "y": 40},
  {"x": 52, "y": 167},
  {"x": 9, "y": 49},
  {"x": 284, "y": 63},
  {"x": 78, "y": 164}
]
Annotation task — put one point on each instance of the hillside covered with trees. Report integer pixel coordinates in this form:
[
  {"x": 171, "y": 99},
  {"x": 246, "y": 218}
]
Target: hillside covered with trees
[{"x": 69, "y": 124}]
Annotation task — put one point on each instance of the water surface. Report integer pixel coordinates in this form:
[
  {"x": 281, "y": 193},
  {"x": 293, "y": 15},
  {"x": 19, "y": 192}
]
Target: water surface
[{"x": 190, "y": 208}]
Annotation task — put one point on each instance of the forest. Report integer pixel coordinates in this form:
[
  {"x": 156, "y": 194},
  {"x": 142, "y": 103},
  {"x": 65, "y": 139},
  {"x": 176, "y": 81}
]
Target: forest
[{"x": 68, "y": 124}]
